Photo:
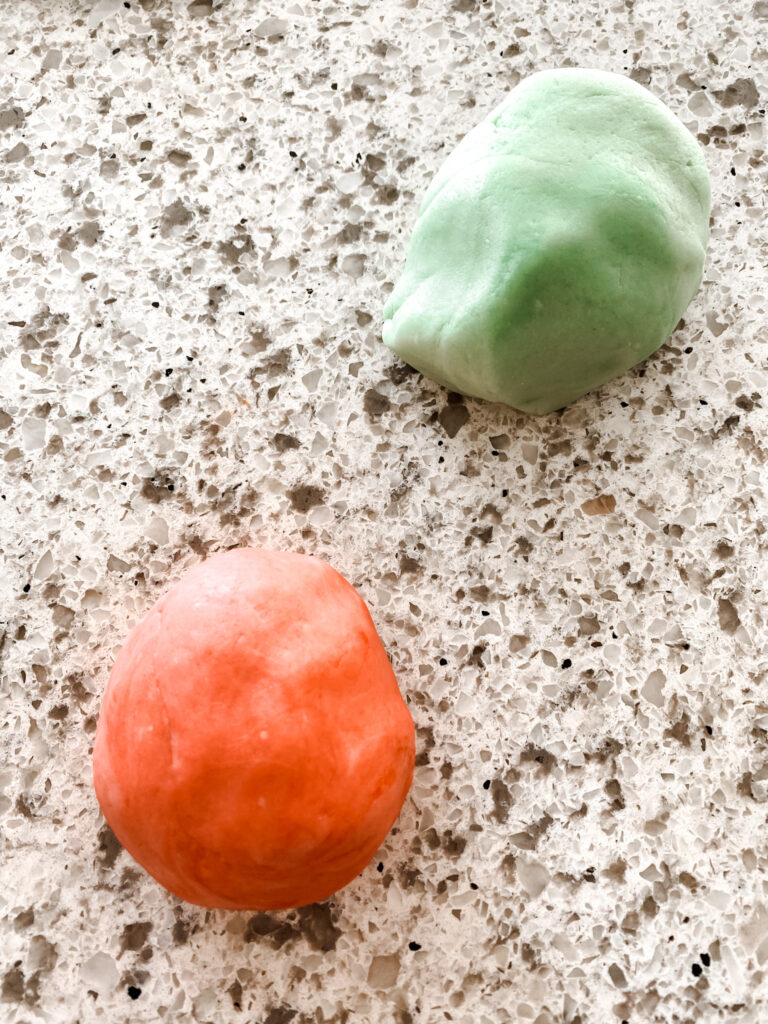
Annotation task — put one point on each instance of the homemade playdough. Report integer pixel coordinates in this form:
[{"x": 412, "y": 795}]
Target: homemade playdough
[
  {"x": 253, "y": 749},
  {"x": 558, "y": 245}
]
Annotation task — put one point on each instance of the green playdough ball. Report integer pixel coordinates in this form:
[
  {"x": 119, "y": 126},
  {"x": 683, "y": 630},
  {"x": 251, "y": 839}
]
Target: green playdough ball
[{"x": 558, "y": 245}]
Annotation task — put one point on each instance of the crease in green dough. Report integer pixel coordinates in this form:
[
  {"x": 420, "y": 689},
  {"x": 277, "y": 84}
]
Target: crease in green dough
[{"x": 557, "y": 246}]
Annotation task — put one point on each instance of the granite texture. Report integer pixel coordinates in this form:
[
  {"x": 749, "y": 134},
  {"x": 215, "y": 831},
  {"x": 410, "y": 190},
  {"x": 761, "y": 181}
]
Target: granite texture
[{"x": 202, "y": 210}]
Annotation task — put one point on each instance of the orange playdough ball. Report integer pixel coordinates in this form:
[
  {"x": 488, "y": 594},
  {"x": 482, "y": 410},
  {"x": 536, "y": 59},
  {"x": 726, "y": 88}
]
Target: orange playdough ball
[{"x": 253, "y": 749}]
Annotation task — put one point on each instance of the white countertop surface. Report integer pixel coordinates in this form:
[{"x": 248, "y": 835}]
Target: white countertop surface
[{"x": 202, "y": 210}]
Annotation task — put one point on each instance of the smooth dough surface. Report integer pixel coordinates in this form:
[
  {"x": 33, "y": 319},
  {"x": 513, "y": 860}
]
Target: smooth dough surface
[
  {"x": 253, "y": 748},
  {"x": 558, "y": 245}
]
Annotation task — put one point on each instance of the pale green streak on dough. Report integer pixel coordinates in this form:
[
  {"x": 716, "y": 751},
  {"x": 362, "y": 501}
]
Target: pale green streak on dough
[{"x": 558, "y": 245}]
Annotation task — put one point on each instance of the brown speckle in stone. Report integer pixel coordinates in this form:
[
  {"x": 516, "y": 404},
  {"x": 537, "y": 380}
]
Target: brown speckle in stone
[
  {"x": 724, "y": 549},
  {"x": 280, "y": 1015},
  {"x": 375, "y": 403},
  {"x": 588, "y": 625},
  {"x": 400, "y": 372},
  {"x": 265, "y": 926},
  {"x": 109, "y": 169},
  {"x": 616, "y": 871},
  {"x": 727, "y": 616},
  {"x": 305, "y": 497},
  {"x": 602, "y": 505},
  {"x": 16, "y": 153},
  {"x": 12, "y": 990},
  {"x": 135, "y": 936},
  {"x": 650, "y": 907},
  {"x": 285, "y": 442},
  {"x": 532, "y": 754},
  {"x": 317, "y": 926},
  {"x": 109, "y": 846},
  {"x": 452, "y": 418},
  {"x": 43, "y": 954},
  {"x": 502, "y": 801},
  {"x": 216, "y": 294},
  {"x": 236, "y": 247},
  {"x": 11, "y": 117},
  {"x": 613, "y": 791},
  {"x": 89, "y": 232},
  {"x": 742, "y": 92},
  {"x": 179, "y": 157},
  {"x": 680, "y": 731},
  {"x": 453, "y": 845},
  {"x": 608, "y": 749},
  {"x": 25, "y": 919},
  {"x": 175, "y": 215},
  {"x": 180, "y": 932},
  {"x": 426, "y": 736},
  {"x": 409, "y": 565},
  {"x": 235, "y": 993}
]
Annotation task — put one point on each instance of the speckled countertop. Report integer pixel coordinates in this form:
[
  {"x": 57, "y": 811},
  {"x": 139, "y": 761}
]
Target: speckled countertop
[{"x": 202, "y": 209}]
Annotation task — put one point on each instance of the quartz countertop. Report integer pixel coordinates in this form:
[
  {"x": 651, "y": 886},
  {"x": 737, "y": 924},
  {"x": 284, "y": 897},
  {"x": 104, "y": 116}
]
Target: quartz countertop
[{"x": 203, "y": 207}]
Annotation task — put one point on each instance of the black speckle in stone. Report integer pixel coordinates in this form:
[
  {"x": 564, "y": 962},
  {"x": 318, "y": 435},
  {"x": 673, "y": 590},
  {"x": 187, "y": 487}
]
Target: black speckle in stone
[
  {"x": 156, "y": 305},
  {"x": 505, "y": 493},
  {"x": 704, "y": 957},
  {"x": 380, "y": 867},
  {"x": 708, "y": 729},
  {"x": 241, "y": 167},
  {"x": 624, "y": 405},
  {"x": 487, "y": 784},
  {"x": 134, "y": 992},
  {"x": 443, "y": 661},
  {"x": 291, "y": 153},
  {"x": 26, "y": 588},
  {"x": 413, "y": 946},
  {"x": 696, "y": 970},
  {"x": 566, "y": 663},
  {"x": 168, "y": 371},
  {"x": 473, "y": 886}
]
